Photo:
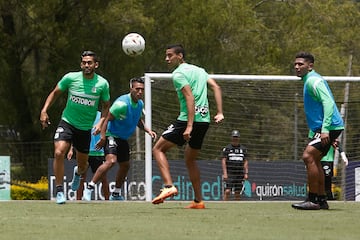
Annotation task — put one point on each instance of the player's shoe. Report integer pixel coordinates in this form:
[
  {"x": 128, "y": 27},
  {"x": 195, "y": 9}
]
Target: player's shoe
[
  {"x": 116, "y": 197},
  {"x": 87, "y": 194},
  {"x": 75, "y": 184},
  {"x": 324, "y": 205},
  {"x": 60, "y": 198},
  {"x": 306, "y": 205},
  {"x": 195, "y": 205},
  {"x": 166, "y": 192}
]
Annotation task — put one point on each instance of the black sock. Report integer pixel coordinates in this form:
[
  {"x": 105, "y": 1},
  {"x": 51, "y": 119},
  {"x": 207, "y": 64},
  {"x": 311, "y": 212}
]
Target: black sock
[
  {"x": 197, "y": 201},
  {"x": 89, "y": 186},
  {"x": 168, "y": 186},
  {"x": 59, "y": 188},
  {"x": 313, "y": 197},
  {"x": 321, "y": 198},
  {"x": 116, "y": 194}
]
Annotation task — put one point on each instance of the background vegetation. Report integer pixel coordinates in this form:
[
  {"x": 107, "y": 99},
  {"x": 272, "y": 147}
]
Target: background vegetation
[{"x": 42, "y": 40}]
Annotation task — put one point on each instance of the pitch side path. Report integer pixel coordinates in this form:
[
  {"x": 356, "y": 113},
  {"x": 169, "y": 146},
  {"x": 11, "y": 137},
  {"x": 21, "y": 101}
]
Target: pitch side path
[{"x": 141, "y": 220}]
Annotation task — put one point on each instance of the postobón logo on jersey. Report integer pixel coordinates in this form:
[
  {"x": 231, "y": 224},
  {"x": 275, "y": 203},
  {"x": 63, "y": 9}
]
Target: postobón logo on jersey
[{"x": 82, "y": 101}]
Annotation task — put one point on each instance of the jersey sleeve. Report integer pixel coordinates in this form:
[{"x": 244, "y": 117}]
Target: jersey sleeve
[
  {"x": 118, "y": 109},
  {"x": 323, "y": 95},
  {"x": 179, "y": 81},
  {"x": 64, "y": 82}
]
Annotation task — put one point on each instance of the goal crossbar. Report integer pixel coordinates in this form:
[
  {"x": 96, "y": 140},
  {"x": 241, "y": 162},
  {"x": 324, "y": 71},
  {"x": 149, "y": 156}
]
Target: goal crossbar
[{"x": 167, "y": 76}]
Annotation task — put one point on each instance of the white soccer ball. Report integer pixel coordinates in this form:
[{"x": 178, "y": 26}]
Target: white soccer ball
[{"x": 133, "y": 44}]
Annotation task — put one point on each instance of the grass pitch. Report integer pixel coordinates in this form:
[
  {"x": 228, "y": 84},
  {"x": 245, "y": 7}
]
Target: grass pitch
[{"x": 170, "y": 221}]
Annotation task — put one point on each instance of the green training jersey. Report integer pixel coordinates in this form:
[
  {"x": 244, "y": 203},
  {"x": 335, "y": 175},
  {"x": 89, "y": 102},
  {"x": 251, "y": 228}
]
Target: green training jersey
[
  {"x": 83, "y": 99},
  {"x": 196, "y": 78},
  {"x": 329, "y": 157}
]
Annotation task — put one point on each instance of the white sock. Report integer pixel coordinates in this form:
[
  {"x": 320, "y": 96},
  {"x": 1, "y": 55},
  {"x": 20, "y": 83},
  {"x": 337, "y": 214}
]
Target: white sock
[
  {"x": 117, "y": 190},
  {"x": 91, "y": 184}
]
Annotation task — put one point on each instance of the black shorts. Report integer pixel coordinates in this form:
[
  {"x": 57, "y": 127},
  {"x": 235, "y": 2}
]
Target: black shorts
[
  {"x": 328, "y": 168},
  {"x": 174, "y": 133},
  {"x": 118, "y": 147},
  {"x": 234, "y": 183},
  {"x": 95, "y": 162},
  {"x": 80, "y": 139},
  {"x": 316, "y": 141}
]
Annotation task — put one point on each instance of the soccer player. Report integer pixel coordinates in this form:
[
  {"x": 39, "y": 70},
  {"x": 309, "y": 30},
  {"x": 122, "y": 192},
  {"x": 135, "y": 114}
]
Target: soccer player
[
  {"x": 325, "y": 124},
  {"x": 234, "y": 166},
  {"x": 86, "y": 90},
  {"x": 190, "y": 83},
  {"x": 124, "y": 115},
  {"x": 96, "y": 158}
]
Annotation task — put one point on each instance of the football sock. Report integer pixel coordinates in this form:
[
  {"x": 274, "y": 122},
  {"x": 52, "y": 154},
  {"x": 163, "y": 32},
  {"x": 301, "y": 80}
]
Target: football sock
[
  {"x": 59, "y": 188},
  {"x": 322, "y": 198},
  {"x": 168, "y": 186},
  {"x": 197, "y": 201},
  {"x": 91, "y": 185},
  {"x": 117, "y": 190},
  {"x": 312, "y": 197}
]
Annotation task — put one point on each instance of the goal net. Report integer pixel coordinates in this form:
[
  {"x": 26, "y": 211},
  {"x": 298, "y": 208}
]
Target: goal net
[{"x": 268, "y": 112}]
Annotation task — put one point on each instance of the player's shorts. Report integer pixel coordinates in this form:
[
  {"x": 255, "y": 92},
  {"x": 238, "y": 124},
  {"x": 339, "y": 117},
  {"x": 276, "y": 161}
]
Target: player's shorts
[
  {"x": 316, "y": 141},
  {"x": 118, "y": 147},
  {"x": 328, "y": 168},
  {"x": 234, "y": 183},
  {"x": 95, "y": 162},
  {"x": 174, "y": 133},
  {"x": 80, "y": 139}
]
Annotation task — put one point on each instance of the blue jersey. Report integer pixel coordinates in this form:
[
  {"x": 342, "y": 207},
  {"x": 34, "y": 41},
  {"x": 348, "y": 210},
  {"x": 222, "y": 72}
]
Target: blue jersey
[
  {"x": 127, "y": 115},
  {"x": 319, "y": 105},
  {"x": 95, "y": 139}
]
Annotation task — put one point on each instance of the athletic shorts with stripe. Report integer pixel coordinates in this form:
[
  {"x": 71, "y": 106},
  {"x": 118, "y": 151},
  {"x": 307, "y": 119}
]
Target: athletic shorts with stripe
[{"x": 174, "y": 133}]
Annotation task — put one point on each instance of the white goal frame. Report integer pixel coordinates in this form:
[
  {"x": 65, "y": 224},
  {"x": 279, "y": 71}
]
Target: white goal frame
[{"x": 163, "y": 76}]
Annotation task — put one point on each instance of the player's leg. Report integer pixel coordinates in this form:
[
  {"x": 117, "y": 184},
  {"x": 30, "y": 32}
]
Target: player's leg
[
  {"x": 328, "y": 173},
  {"x": 227, "y": 189},
  {"x": 191, "y": 153},
  {"x": 79, "y": 192},
  {"x": 61, "y": 147},
  {"x": 159, "y": 152},
  {"x": 95, "y": 162},
  {"x": 110, "y": 160},
  {"x": 311, "y": 157}
]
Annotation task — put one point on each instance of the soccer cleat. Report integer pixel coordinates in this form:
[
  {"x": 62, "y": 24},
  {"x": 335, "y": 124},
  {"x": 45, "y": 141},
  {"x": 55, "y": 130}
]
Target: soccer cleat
[
  {"x": 75, "y": 184},
  {"x": 324, "y": 205},
  {"x": 307, "y": 205},
  {"x": 116, "y": 197},
  {"x": 165, "y": 193},
  {"x": 87, "y": 194},
  {"x": 195, "y": 205},
  {"x": 60, "y": 198}
]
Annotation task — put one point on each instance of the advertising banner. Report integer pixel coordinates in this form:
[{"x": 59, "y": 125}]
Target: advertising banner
[
  {"x": 267, "y": 181},
  {"x": 5, "y": 178}
]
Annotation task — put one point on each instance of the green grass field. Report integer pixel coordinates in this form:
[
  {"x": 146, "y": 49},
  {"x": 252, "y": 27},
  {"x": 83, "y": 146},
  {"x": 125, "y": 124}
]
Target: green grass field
[{"x": 141, "y": 220}]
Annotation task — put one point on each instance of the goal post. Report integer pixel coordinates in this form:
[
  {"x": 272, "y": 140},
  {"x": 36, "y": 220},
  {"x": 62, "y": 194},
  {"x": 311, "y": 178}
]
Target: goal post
[{"x": 243, "y": 91}]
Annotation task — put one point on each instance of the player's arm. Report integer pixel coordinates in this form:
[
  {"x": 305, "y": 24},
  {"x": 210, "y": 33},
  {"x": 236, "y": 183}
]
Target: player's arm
[
  {"x": 323, "y": 94},
  {"x": 190, "y": 105},
  {"x": 223, "y": 164},
  {"x": 218, "y": 99},
  {"x": 105, "y": 106},
  {"x": 246, "y": 169},
  {"x": 44, "y": 118},
  {"x": 142, "y": 126},
  {"x": 101, "y": 142}
]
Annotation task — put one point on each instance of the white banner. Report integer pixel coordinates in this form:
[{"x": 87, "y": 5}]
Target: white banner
[{"x": 5, "y": 178}]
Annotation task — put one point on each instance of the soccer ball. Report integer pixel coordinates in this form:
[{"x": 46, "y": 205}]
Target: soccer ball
[{"x": 133, "y": 44}]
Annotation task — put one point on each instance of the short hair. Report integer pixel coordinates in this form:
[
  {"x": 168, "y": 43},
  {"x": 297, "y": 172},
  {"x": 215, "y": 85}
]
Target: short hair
[
  {"x": 306, "y": 55},
  {"x": 178, "y": 48},
  {"x": 136, "y": 79},
  {"x": 91, "y": 54}
]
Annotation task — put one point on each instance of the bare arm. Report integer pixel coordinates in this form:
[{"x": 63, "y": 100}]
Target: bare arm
[
  {"x": 44, "y": 118},
  {"x": 218, "y": 99},
  {"x": 246, "y": 169},
  {"x": 104, "y": 113},
  {"x": 142, "y": 126},
  {"x": 190, "y": 104},
  {"x": 223, "y": 163}
]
